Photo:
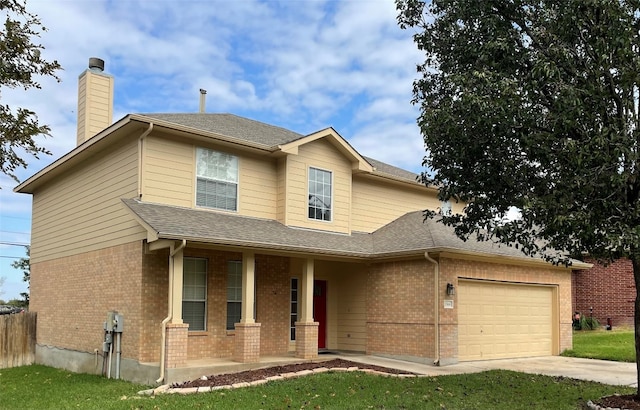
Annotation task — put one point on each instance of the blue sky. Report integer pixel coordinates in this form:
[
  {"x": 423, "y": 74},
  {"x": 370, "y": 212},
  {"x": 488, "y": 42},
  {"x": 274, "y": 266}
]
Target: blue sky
[{"x": 301, "y": 64}]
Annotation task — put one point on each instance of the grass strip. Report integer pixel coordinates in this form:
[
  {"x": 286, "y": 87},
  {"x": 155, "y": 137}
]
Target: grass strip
[
  {"x": 40, "y": 387},
  {"x": 615, "y": 345}
]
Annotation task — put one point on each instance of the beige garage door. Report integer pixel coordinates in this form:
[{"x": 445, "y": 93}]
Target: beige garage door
[{"x": 498, "y": 320}]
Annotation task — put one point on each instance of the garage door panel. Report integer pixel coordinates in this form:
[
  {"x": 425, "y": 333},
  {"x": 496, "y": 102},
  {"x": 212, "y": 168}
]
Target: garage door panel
[{"x": 497, "y": 320}]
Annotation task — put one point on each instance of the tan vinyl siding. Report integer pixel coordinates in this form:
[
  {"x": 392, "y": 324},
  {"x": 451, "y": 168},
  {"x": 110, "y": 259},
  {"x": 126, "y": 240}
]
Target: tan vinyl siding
[
  {"x": 170, "y": 177},
  {"x": 322, "y": 155},
  {"x": 346, "y": 304},
  {"x": 375, "y": 204},
  {"x": 169, "y": 172},
  {"x": 281, "y": 190},
  {"x": 352, "y": 312},
  {"x": 82, "y": 211},
  {"x": 258, "y": 188}
]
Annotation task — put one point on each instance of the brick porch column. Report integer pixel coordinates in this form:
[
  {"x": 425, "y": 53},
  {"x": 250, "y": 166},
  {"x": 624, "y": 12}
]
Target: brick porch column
[
  {"x": 176, "y": 345},
  {"x": 247, "y": 343},
  {"x": 307, "y": 340},
  {"x": 306, "y": 328}
]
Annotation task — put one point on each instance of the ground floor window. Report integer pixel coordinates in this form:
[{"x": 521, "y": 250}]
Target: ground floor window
[
  {"x": 194, "y": 293},
  {"x": 294, "y": 307},
  {"x": 234, "y": 293}
]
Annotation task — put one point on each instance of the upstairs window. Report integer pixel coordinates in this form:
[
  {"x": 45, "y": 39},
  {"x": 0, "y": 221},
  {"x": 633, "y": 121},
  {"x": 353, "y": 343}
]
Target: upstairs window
[
  {"x": 217, "y": 180},
  {"x": 319, "y": 194},
  {"x": 445, "y": 208}
]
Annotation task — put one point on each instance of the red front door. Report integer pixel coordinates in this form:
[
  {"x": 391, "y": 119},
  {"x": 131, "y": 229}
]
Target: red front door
[{"x": 320, "y": 310}]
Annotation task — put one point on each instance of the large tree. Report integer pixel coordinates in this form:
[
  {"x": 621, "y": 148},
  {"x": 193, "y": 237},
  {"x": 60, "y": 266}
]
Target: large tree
[
  {"x": 534, "y": 105},
  {"x": 21, "y": 65}
]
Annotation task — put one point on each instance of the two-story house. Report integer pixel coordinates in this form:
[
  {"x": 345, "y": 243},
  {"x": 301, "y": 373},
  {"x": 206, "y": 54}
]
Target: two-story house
[{"x": 220, "y": 237}]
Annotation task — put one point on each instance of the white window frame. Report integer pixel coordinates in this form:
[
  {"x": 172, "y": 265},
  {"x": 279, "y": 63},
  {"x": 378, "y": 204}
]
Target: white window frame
[
  {"x": 215, "y": 177},
  {"x": 234, "y": 293},
  {"x": 190, "y": 296},
  {"x": 294, "y": 309},
  {"x": 315, "y": 196},
  {"x": 445, "y": 208}
]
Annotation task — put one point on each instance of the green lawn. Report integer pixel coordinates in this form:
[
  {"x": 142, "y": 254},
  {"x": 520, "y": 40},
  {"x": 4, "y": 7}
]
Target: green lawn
[
  {"x": 40, "y": 387},
  {"x": 617, "y": 345}
]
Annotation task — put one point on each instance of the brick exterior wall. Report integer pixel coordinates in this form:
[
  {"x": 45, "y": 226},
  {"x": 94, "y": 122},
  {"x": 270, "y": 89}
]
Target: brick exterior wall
[
  {"x": 400, "y": 306},
  {"x": 73, "y": 294},
  {"x": 123, "y": 278},
  {"x": 272, "y": 306},
  {"x": 155, "y": 277},
  {"x": 400, "y": 309},
  {"x": 610, "y": 290}
]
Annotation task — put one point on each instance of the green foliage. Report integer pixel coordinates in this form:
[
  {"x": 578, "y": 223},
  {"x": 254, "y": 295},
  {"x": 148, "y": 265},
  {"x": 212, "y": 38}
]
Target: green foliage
[
  {"x": 616, "y": 345},
  {"x": 21, "y": 64},
  {"x": 24, "y": 264},
  {"x": 589, "y": 323},
  {"x": 533, "y": 104},
  {"x": 40, "y": 387}
]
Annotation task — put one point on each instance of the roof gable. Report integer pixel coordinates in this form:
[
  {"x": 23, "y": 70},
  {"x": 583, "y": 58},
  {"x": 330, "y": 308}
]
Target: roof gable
[{"x": 331, "y": 135}]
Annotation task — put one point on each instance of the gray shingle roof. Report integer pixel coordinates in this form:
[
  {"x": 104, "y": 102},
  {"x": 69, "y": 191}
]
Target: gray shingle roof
[
  {"x": 408, "y": 234},
  {"x": 411, "y": 232},
  {"x": 232, "y": 126},
  {"x": 391, "y": 170}
]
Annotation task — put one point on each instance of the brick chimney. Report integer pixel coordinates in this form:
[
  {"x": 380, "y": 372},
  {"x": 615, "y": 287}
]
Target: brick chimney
[{"x": 95, "y": 100}]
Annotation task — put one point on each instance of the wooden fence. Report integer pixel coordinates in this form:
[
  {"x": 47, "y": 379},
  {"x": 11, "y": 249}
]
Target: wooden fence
[{"x": 17, "y": 339}]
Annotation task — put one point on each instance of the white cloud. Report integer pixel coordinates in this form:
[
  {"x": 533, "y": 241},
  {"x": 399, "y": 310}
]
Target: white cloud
[{"x": 344, "y": 64}]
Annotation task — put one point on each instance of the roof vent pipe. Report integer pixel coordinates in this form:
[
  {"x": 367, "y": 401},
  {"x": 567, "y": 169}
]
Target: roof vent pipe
[
  {"x": 203, "y": 94},
  {"x": 96, "y": 64}
]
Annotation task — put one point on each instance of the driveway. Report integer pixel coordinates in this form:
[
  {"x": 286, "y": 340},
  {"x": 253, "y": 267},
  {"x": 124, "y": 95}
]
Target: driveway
[{"x": 615, "y": 373}]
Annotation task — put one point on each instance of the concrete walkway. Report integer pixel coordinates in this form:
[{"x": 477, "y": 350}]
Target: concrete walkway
[{"x": 602, "y": 371}]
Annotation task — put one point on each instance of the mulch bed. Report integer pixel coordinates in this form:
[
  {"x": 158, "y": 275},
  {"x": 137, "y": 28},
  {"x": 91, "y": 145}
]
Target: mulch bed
[
  {"x": 627, "y": 402},
  {"x": 259, "y": 374}
]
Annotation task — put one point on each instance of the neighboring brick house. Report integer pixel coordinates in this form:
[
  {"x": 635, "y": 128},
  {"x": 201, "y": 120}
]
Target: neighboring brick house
[
  {"x": 219, "y": 237},
  {"x": 608, "y": 289}
]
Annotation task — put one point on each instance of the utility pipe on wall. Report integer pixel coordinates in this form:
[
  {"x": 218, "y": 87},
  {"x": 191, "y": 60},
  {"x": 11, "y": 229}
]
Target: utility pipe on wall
[
  {"x": 436, "y": 312},
  {"x": 141, "y": 158},
  {"x": 166, "y": 320}
]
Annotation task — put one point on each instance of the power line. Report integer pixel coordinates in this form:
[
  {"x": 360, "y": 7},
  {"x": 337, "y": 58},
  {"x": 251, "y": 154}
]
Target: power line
[
  {"x": 15, "y": 244},
  {"x": 11, "y": 257},
  {"x": 20, "y": 233}
]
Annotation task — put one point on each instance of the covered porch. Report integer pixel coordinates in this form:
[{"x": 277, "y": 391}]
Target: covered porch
[
  {"x": 290, "y": 309},
  {"x": 269, "y": 292}
]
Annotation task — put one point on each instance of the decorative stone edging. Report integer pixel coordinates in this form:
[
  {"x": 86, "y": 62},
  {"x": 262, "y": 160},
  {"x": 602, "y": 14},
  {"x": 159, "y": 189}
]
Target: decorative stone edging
[{"x": 166, "y": 389}]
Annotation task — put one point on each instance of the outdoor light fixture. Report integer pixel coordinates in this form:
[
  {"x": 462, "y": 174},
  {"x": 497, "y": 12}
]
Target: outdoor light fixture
[{"x": 451, "y": 290}]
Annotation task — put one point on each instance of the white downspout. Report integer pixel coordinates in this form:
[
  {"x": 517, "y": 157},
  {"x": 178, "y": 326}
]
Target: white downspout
[
  {"x": 436, "y": 312},
  {"x": 141, "y": 158},
  {"x": 166, "y": 320}
]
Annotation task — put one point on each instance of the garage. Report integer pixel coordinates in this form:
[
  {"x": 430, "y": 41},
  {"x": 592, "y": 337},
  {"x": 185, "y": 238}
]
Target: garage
[{"x": 498, "y": 320}]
